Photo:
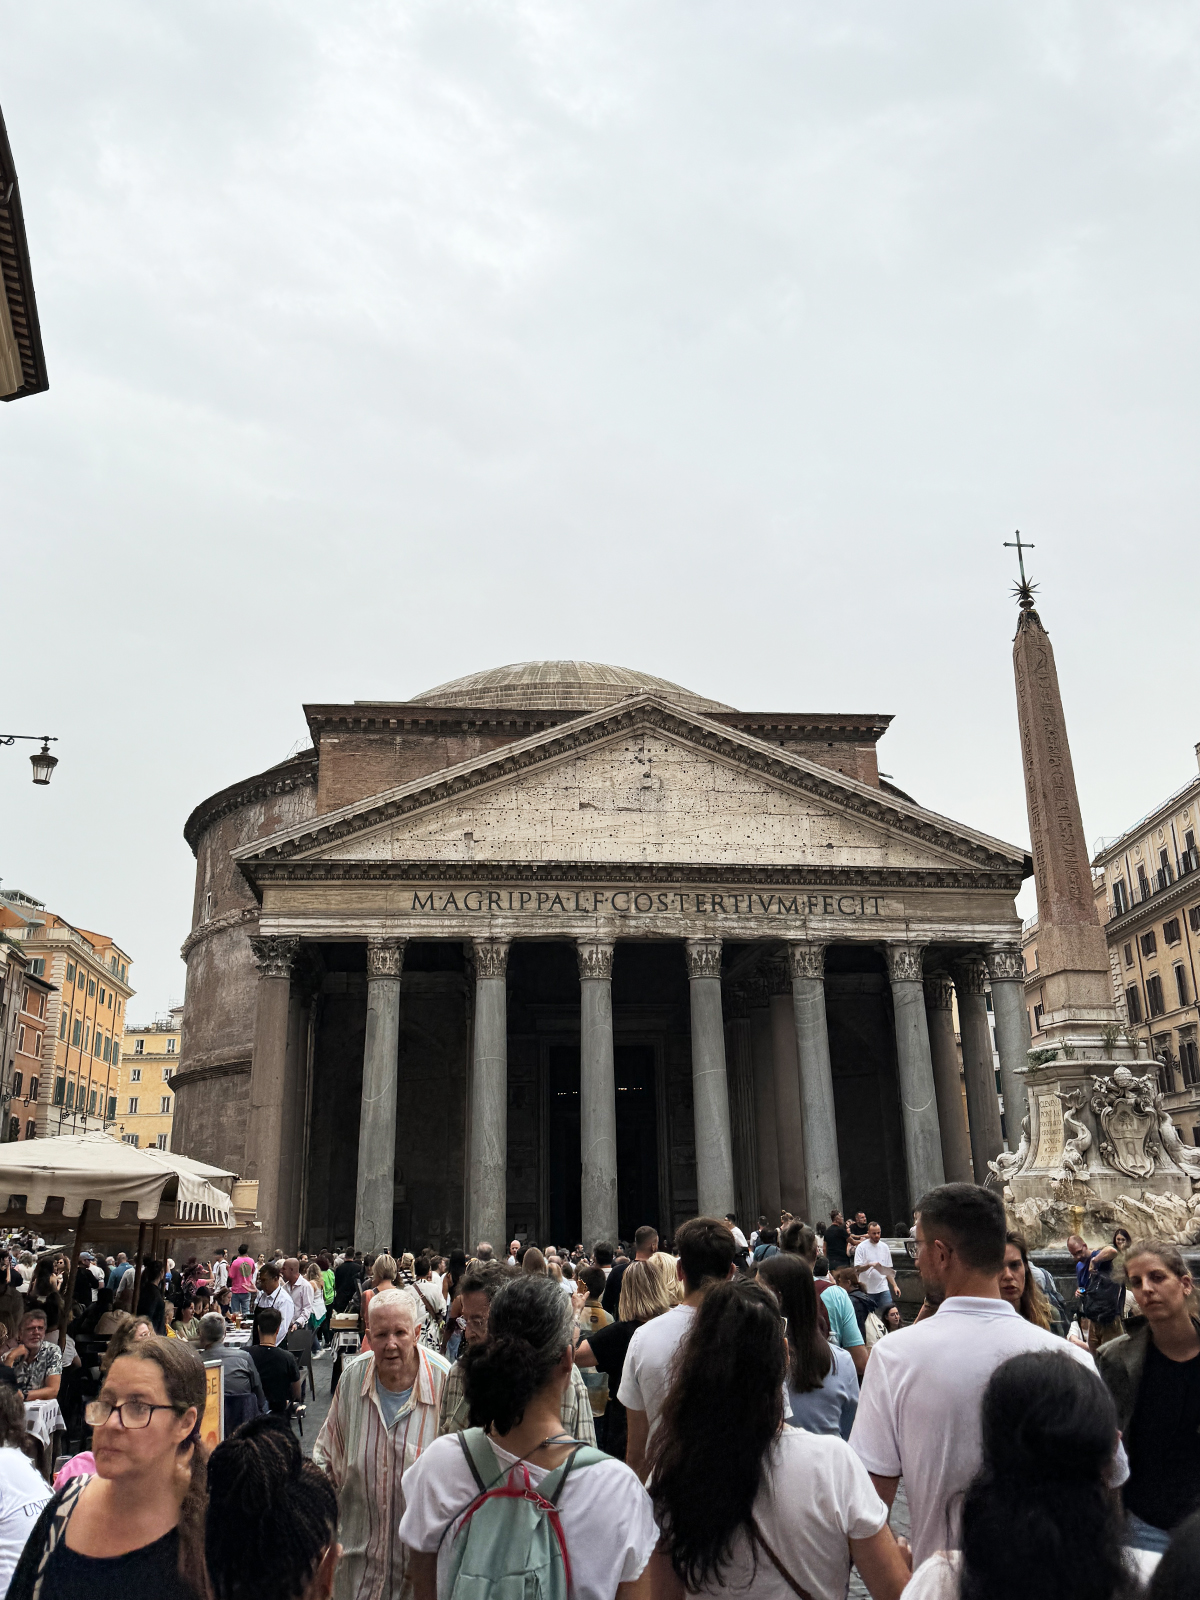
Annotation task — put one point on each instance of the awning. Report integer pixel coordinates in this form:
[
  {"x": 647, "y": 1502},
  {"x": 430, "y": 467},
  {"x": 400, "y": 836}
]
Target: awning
[{"x": 92, "y": 1167}]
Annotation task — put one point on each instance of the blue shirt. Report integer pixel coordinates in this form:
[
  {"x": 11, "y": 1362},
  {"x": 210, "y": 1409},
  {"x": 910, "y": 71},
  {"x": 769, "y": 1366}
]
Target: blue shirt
[
  {"x": 831, "y": 1408},
  {"x": 843, "y": 1324}
]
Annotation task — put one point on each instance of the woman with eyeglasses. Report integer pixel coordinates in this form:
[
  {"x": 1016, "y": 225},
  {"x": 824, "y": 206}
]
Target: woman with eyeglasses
[{"x": 135, "y": 1530}]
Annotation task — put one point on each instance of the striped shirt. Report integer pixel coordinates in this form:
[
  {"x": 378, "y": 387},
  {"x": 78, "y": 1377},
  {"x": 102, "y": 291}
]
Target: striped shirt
[
  {"x": 365, "y": 1460},
  {"x": 576, "y": 1406}
]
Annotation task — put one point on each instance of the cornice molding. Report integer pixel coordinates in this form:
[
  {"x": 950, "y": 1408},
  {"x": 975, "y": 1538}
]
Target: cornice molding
[
  {"x": 783, "y": 767},
  {"x": 263, "y": 786},
  {"x": 214, "y": 1069},
  {"x": 245, "y": 917}
]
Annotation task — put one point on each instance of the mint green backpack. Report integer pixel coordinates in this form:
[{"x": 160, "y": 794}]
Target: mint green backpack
[{"x": 510, "y": 1545}]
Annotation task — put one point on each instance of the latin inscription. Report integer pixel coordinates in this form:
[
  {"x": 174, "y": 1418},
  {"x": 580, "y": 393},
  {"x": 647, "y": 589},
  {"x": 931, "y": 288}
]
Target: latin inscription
[
  {"x": 1050, "y": 1131},
  {"x": 631, "y": 902}
]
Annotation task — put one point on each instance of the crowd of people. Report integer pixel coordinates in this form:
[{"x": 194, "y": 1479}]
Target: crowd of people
[{"x": 734, "y": 1413}]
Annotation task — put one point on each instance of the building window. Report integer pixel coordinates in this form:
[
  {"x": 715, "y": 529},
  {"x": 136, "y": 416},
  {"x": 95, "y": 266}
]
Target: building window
[
  {"x": 1194, "y": 919},
  {"x": 112, "y": 1108},
  {"x": 116, "y": 1055},
  {"x": 1120, "y": 898},
  {"x": 37, "y": 1043},
  {"x": 135, "y": 1075},
  {"x": 108, "y": 1048},
  {"x": 1133, "y": 1003},
  {"x": 87, "y": 1034},
  {"x": 38, "y": 966},
  {"x": 62, "y": 1026},
  {"x": 70, "y": 972},
  {"x": 101, "y": 998},
  {"x": 16, "y": 1088},
  {"x": 31, "y": 1129},
  {"x": 139, "y": 1047},
  {"x": 1037, "y": 1019},
  {"x": 1128, "y": 954},
  {"x": 21, "y": 1039},
  {"x": 1149, "y": 944},
  {"x": 164, "y": 1105},
  {"x": 34, "y": 1088},
  {"x": 80, "y": 978},
  {"x": 1181, "y": 984},
  {"x": 122, "y": 972},
  {"x": 99, "y": 1044},
  {"x": 1164, "y": 1077},
  {"x": 14, "y": 1128},
  {"x": 1143, "y": 883},
  {"x": 1189, "y": 1060},
  {"x": 161, "y": 1141},
  {"x": 171, "y": 1042},
  {"x": 70, "y": 1101},
  {"x": 1154, "y": 995},
  {"x": 91, "y": 987},
  {"x": 1171, "y": 931},
  {"x": 133, "y": 1105},
  {"x": 92, "y": 1104},
  {"x": 130, "y": 1138},
  {"x": 76, "y": 1032}
]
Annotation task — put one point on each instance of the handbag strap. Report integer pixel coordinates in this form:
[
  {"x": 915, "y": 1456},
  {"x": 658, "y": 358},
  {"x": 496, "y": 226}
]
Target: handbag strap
[{"x": 793, "y": 1584}]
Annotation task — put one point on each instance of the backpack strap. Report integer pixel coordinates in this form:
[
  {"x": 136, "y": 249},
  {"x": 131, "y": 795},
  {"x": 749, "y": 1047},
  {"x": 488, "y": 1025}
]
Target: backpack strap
[
  {"x": 583, "y": 1455},
  {"x": 481, "y": 1458}
]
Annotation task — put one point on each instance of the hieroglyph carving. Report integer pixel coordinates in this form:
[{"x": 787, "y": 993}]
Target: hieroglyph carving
[
  {"x": 274, "y": 955},
  {"x": 704, "y": 958},
  {"x": 1005, "y": 964},
  {"x": 904, "y": 962},
  {"x": 491, "y": 957},
  {"x": 595, "y": 960},
  {"x": 807, "y": 959},
  {"x": 385, "y": 958},
  {"x": 1126, "y": 1107}
]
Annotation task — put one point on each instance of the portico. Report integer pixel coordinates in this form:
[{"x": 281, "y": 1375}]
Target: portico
[{"x": 638, "y": 966}]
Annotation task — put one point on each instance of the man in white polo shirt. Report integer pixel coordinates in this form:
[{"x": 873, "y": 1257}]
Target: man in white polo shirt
[
  {"x": 918, "y": 1416},
  {"x": 873, "y": 1265},
  {"x": 706, "y": 1250}
]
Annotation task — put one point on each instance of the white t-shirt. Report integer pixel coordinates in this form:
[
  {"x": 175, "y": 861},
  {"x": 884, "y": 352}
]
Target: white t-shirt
[
  {"x": 816, "y": 1495},
  {"x": 939, "y": 1577},
  {"x": 646, "y": 1376},
  {"x": 23, "y": 1493},
  {"x": 607, "y": 1519},
  {"x": 873, "y": 1281},
  {"x": 918, "y": 1415}
]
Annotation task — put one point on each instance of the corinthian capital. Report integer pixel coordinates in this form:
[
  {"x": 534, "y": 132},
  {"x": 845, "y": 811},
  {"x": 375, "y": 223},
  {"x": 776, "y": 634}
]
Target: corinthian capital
[
  {"x": 491, "y": 957},
  {"x": 385, "y": 958},
  {"x": 595, "y": 960},
  {"x": 904, "y": 962},
  {"x": 806, "y": 958},
  {"x": 1005, "y": 963},
  {"x": 939, "y": 991},
  {"x": 704, "y": 958},
  {"x": 274, "y": 956},
  {"x": 970, "y": 977}
]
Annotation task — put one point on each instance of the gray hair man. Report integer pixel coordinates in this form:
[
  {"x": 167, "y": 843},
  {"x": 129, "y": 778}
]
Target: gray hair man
[
  {"x": 477, "y": 1288},
  {"x": 241, "y": 1375},
  {"x": 383, "y": 1415}
]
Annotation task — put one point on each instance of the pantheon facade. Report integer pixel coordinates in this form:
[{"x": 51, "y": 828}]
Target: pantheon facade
[{"x": 559, "y": 949}]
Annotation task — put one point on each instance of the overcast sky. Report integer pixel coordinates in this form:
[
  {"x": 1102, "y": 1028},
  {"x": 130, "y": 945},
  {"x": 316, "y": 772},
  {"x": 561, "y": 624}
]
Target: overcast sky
[{"x": 728, "y": 341}]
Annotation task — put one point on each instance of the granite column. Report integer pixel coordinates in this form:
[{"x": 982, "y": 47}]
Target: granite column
[
  {"x": 763, "y": 1057},
  {"x": 983, "y": 1109},
  {"x": 789, "y": 1117},
  {"x": 266, "y": 1157},
  {"x": 376, "y": 1187},
  {"x": 952, "y": 1118},
  {"x": 822, "y": 1166},
  {"x": 597, "y": 1095},
  {"x": 1006, "y": 969},
  {"x": 710, "y": 1088},
  {"x": 487, "y": 1180},
  {"x": 918, "y": 1099}
]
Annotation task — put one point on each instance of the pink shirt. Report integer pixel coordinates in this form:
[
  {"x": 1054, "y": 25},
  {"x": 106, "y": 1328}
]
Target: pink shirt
[{"x": 241, "y": 1275}]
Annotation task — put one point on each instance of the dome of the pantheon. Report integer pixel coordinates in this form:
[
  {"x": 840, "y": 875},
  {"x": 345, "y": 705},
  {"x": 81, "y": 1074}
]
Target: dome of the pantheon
[{"x": 559, "y": 686}]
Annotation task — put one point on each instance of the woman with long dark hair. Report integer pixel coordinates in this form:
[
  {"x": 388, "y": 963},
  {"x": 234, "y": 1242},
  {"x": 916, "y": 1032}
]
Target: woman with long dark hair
[
  {"x": 137, "y": 1527},
  {"x": 743, "y": 1501},
  {"x": 454, "y": 1329},
  {"x": 822, "y": 1383},
  {"x": 1040, "y": 1518},
  {"x": 515, "y": 1381},
  {"x": 1021, "y": 1289},
  {"x": 1154, "y": 1377}
]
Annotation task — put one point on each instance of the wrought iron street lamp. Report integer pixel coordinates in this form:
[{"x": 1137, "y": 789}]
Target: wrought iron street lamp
[{"x": 43, "y": 763}]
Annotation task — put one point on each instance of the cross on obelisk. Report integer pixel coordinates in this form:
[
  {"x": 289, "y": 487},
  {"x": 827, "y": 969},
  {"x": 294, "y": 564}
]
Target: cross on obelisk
[{"x": 1020, "y": 549}]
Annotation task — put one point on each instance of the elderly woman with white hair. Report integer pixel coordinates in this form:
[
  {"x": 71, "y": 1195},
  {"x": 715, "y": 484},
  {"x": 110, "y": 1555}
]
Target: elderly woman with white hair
[{"x": 384, "y": 1414}]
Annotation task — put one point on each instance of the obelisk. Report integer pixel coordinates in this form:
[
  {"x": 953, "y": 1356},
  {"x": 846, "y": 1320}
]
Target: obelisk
[{"x": 1076, "y": 982}]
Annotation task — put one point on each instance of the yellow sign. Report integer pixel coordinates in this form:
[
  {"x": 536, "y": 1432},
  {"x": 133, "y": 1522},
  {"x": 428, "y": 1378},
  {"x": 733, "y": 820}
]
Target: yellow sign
[{"x": 212, "y": 1424}]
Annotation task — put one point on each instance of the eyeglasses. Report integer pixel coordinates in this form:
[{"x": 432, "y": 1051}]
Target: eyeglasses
[
  {"x": 133, "y": 1413},
  {"x": 476, "y": 1322}
]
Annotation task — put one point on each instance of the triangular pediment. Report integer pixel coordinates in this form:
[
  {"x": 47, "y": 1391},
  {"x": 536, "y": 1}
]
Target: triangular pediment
[{"x": 646, "y": 783}]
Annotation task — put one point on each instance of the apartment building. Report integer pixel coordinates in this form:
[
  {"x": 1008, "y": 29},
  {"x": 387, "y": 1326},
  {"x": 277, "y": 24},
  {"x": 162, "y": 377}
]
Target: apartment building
[
  {"x": 1147, "y": 887},
  {"x": 24, "y": 1000},
  {"x": 145, "y": 1100},
  {"x": 86, "y": 976}
]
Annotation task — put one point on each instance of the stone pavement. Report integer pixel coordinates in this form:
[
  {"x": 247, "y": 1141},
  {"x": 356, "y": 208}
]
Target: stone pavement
[
  {"x": 318, "y": 1404},
  {"x": 901, "y": 1527}
]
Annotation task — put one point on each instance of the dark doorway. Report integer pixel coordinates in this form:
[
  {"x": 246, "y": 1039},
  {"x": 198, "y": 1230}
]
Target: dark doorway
[
  {"x": 564, "y": 1163},
  {"x": 637, "y": 1138}
]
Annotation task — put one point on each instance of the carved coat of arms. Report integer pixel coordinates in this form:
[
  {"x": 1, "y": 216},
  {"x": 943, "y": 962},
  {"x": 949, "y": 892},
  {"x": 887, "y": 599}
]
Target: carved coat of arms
[{"x": 1124, "y": 1105}]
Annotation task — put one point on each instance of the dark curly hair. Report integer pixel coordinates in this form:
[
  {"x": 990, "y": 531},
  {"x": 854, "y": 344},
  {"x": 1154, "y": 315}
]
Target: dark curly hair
[
  {"x": 1039, "y": 1519},
  {"x": 722, "y": 1413},
  {"x": 530, "y": 1326},
  {"x": 272, "y": 1515}
]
